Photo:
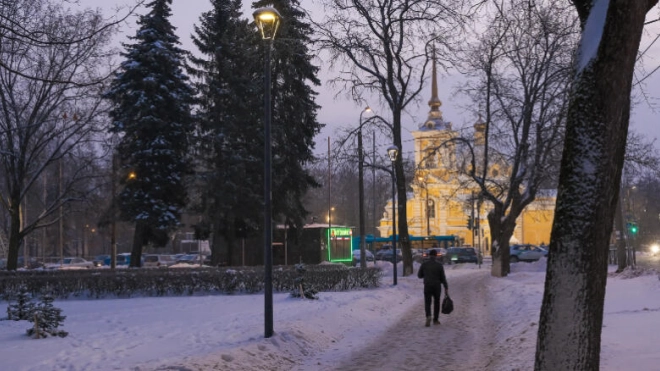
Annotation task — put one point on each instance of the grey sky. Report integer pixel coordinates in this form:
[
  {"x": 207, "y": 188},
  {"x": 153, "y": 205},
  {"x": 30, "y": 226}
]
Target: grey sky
[{"x": 336, "y": 113}]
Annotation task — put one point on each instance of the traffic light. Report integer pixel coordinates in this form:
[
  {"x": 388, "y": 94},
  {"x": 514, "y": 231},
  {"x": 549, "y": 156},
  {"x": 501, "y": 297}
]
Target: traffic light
[
  {"x": 470, "y": 223},
  {"x": 633, "y": 228}
]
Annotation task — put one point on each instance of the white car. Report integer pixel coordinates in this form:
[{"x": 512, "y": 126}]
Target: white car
[
  {"x": 71, "y": 263},
  {"x": 158, "y": 261}
]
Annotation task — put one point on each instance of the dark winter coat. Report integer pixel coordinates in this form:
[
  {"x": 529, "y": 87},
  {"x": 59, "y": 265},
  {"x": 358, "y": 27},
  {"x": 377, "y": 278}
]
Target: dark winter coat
[{"x": 433, "y": 273}]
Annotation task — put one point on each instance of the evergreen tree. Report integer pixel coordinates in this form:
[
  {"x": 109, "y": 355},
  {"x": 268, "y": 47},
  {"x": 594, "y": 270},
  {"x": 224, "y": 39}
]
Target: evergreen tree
[
  {"x": 294, "y": 111},
  {"x": 151, "y": 100},
  {"x": 23, "y": 307},
  {"x": 229, "y": 131},
  {"x": 47, "y": 319}
]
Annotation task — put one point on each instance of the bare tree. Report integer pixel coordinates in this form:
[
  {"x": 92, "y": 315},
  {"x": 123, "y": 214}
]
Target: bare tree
[
  {"x": 18, "y": 26},
  {"x": 641, "y": 159},
  {"x": 382, "y": 48},
  {"x": 50, "y": 107},
  {"x": 520, "y": 71},
  {"x": 598, "y": 116}
]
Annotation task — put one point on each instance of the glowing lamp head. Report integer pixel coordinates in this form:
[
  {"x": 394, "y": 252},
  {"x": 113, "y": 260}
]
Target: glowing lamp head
[
  {"x": 268, "y": 21},
  {"x": 392, "y": 152}
]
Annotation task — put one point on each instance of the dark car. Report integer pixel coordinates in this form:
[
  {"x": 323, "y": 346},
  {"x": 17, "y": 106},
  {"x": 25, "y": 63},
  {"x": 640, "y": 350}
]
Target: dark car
[
  {"x": 442, "y": 252},
  {"x": 387, "y": 255},
  {"x": 99, "y": 260},
  {"x": 356, "y": 256},
  {"x": 32, "y": 263},
  {"x": 461, "y": 255}
]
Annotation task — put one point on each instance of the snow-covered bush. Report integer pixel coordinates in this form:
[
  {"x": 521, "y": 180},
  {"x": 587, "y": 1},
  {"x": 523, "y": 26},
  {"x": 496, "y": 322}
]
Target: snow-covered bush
[
  {"x": 299, "y": 289},
  {"x": 46, "y": 319}
]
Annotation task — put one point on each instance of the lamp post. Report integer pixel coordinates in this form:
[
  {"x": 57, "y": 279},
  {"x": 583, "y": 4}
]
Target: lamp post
[
  {"x": 267, "y": 20},
  {"x": 424, "y": 184},
  {"x": 392, "y": 152},
  {"x": 363, "y": 258}
]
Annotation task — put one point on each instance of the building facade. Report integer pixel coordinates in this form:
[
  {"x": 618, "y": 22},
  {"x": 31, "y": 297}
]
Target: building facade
[{"x": 444, "y": 201}]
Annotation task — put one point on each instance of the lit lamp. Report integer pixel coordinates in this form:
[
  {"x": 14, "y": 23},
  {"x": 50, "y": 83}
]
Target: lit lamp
[
  {"x": 267, "y": 20},
  {"x": 363, "y": 258},
  {"x": 393, "y": 152}
]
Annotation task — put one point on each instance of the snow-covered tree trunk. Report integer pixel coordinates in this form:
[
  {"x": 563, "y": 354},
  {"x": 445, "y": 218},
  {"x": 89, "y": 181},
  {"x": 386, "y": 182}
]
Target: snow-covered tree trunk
[
  {"x": 501, "y": 232},
  {"x": 572, "y": 312}
]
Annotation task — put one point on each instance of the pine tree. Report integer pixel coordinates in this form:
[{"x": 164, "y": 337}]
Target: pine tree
[
  {"x": 47, "y": 319},
  {"x": 229, "y": 123},
  {"x": 151, "y": 99},
  {"x": 23, "y": 308},
  {"x": 294, "y": 111}
]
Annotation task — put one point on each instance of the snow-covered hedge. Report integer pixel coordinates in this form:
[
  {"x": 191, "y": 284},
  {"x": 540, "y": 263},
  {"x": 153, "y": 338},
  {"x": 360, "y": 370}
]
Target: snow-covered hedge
[{"x": 103, "y": 283}]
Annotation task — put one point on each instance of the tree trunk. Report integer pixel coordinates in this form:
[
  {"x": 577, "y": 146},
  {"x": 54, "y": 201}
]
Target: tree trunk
[
  {"x": 402, "y": 200},
  {"x": 218, "y": 254},
  {"x": 15, "y": 237},
  {"x": 501, "y": 231},
  {"x": 138, "y": 242},
  {"x": 599, "y": 109},
  {"x": 621, "y": 256}
]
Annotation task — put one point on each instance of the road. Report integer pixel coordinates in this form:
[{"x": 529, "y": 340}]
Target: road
[{"x": 648, "y": 261}]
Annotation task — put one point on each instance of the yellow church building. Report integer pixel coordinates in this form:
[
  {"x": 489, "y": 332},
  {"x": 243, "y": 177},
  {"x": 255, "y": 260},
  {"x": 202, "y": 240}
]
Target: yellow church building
[{"x": 443, "y": 201}]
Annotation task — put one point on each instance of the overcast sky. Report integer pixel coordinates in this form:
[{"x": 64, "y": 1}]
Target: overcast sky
[{"x": 337, "y": 113}]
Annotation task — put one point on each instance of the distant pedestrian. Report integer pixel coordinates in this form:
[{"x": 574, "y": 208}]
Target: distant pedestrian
[{"x": 433, "y": 274}]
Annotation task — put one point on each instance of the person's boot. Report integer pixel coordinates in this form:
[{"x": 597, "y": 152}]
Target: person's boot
[
  {"x": 436, "y": 322},
  {"x": 428, "y": 321}
]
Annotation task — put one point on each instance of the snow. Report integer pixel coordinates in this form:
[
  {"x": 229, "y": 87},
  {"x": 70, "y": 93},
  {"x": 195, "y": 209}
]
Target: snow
[
  {"x": 592, "y": 33},
  {"x": 380, "y": 328}
]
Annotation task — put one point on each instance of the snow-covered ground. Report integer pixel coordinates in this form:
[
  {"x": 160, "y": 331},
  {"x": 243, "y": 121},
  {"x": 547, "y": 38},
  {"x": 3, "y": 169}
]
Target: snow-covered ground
[{"x": 379, "y": 329}]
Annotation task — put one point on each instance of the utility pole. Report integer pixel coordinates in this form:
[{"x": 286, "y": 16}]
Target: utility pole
[
  {"x": 373, "y": 184},
  {"x": 363, "y": 253},
  {"x": 113, "y": 210},
  {"x": 329, "y": 194},
  {"x": 61, "y": 220}
]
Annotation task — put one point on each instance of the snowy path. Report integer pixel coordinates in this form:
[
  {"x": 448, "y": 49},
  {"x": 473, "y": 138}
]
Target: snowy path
[{"x": 463, "y": 341}]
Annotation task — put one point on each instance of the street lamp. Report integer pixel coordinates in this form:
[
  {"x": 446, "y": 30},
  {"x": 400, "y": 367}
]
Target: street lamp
[
  {"x": 392, "y": 152},
  {"x": 424, "y": 184},
  {"x": 363, "y": 258},
  {"x": 267, "y": 20}
]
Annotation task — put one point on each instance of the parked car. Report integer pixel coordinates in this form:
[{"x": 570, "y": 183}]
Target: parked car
[
  {"x": 357, "y": 255},
  {"x": 441, "y": 251},
  {"x": 158, "y": 260},
  {"x": 99, "y": 260},
  {"x": 387, "y": 255},
  {"x": 525, "y": 253},
  {"x": 123, "y": 260},
  {"x": 456, "y": 255},
  {"x": 33, "y": 263},
  {"x": 71, "y": 263},
  {"x": 194, "y": 259}
]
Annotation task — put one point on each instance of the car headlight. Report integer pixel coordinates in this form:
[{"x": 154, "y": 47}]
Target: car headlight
[{"x": 655, "y": 248}]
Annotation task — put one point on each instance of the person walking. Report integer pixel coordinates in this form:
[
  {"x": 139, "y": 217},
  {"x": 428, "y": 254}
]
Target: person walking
[{"x": 433, "y": 274}]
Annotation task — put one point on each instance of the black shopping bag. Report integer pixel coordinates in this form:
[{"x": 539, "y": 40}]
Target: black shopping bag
[{"x": 447, "y": 305}]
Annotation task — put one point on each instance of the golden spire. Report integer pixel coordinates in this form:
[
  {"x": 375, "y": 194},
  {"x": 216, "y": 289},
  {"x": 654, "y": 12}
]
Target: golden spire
[{"x": 435, "y": 102}]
